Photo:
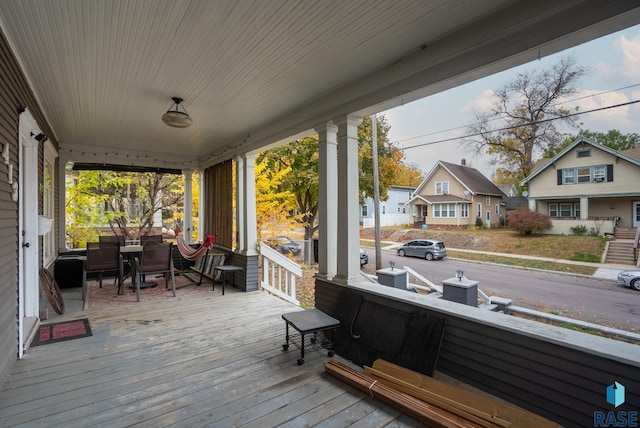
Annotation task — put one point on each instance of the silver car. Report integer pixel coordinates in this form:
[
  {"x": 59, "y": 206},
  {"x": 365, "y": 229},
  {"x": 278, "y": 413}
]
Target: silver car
[
  {"x": 425, "y": 248},
  {"x": 630, "y": 278}
]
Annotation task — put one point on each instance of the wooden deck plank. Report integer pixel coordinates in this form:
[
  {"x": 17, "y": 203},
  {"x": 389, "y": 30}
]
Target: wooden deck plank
[{"x": 203, "y": 360}]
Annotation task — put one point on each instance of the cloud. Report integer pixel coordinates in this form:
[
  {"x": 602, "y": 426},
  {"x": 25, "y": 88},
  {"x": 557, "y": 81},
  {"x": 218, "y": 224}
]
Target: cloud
[
  {"x": 604, "y": 120},
  {"x": 482, "y": 103},
  {"x": 630, "y": 49}
]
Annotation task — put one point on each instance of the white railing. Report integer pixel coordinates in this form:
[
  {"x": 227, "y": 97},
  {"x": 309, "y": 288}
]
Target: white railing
[{"x": 279, "y": 274}]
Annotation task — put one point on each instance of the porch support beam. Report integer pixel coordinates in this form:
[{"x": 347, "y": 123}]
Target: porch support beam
[
  {"x": 240, "y": 198},
  {"x": 187, "y": 221},
  {"x": 327, "y": 199},
  {"x": 348, "y": 252},
  {"x": 584, "y": 208},
  {"x": 248, "y": 213}
]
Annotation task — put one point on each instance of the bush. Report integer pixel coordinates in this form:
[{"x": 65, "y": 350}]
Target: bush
[
  {"x": 528, "y": 222},
  {"x": 479, "y": 223},
  {"x": 580, "y": 229}
]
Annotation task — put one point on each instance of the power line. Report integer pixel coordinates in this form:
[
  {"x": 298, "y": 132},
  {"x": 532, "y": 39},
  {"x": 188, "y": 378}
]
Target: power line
[
  {"x": 564, "y": 102},
  {"x": 475, "y": 134}
]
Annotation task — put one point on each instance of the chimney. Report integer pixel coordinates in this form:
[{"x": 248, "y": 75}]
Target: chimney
[{"x": 463, "y": 162}]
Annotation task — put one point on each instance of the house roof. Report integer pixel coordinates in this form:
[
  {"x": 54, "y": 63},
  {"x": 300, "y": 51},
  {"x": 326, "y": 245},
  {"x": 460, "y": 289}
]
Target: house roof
[
  {"x": 630, "y": 155},
  {"x": 470, "y": 178},
  {"x": 515, "y": 202},
  {"x": 438, "y": 199}
]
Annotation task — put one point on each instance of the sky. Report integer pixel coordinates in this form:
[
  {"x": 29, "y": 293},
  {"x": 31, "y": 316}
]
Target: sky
[{"x": 613, "y": 63}]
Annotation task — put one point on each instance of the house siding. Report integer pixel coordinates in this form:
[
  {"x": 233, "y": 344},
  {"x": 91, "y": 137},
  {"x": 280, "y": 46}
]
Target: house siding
[
  {"x": 554, "y": 372},
  {"x": 14, "y": 94}
]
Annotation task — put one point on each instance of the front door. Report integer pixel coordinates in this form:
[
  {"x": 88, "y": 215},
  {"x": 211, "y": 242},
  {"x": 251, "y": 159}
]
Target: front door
[
  {"x": 27, "y": 199},
  {"x": 636, "y": 214},
  {"x": 487, "y": 221}
]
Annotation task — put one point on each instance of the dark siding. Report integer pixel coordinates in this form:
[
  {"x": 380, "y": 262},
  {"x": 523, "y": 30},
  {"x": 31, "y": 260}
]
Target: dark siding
[
  {"x": 248, "y": 280},
  {"x": 560, "y": 382},
  {"x": 14, "y": 93}
]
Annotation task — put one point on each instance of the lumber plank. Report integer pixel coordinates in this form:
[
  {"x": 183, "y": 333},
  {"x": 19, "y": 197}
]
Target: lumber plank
[{"x": 517, "y": 416}]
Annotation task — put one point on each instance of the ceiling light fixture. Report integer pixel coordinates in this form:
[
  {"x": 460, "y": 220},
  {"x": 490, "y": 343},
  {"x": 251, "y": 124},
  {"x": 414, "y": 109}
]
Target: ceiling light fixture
[{"x": 176, "y": 118}]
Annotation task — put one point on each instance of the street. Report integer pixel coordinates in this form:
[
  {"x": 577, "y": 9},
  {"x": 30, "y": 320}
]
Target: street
[{"x": 598, "y": 301}]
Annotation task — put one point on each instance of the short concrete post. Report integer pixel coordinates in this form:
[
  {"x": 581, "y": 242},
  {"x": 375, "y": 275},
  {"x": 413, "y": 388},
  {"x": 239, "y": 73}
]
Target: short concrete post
[
  {"x": 460, "y": 290},
  {"x": 391, "y": 277}
]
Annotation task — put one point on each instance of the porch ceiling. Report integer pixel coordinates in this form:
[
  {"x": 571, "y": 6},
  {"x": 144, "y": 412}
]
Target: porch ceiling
[{"x": 255, "y": 72}]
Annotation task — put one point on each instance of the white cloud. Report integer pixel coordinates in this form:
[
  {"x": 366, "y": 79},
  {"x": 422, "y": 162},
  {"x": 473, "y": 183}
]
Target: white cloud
[
  {"x": 630, "y": 49},
  {"x": 604, "y": 120},
  {"x": 482, "y": 103}
]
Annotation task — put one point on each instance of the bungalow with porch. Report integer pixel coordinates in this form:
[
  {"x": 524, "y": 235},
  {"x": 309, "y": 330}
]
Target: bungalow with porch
[
  {"x": 456, "y": 195},
  {"x": 587, "y": 184}
]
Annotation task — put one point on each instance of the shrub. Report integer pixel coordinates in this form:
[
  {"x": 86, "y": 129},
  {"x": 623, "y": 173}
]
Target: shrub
[
  {"x": 479, "y": 223},
  {"x": 580, "y": 229},
  {"x": 528, "y": 222}
]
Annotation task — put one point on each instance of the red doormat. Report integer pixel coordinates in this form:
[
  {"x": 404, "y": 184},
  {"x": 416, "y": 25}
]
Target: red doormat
[{"x": 61, "y": 331}]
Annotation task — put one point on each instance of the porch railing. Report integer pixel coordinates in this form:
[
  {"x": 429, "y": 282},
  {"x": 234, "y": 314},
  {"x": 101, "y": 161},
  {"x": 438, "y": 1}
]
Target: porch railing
[
  {"x": 635, "y": 245},
  {"x": 279, "y": 274}
]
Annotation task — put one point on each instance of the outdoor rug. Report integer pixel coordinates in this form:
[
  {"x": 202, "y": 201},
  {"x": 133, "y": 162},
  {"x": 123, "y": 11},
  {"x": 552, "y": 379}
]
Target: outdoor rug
[{"x": 61, "y": 331}]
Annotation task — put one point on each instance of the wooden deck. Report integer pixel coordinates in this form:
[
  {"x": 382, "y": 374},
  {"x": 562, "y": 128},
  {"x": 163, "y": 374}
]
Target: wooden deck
[{"x": 199, "y": 360}]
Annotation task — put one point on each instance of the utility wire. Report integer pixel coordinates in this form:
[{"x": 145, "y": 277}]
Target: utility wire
[{"x": 506, "y": 128}]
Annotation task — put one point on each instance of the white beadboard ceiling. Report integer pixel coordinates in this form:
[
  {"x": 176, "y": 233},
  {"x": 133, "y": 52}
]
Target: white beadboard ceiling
[{"x": 253, "y": 72}]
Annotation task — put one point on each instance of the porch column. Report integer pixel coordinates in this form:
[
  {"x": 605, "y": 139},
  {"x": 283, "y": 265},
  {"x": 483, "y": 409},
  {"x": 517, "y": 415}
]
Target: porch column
[
  {"x": 200, "y": 206},
  {"x": 187, "y": 218},
  {"x": 348, "y": 252},
  {"x": 327, "y": 199},
  {"x": 63, "y": 159},
  {"x": 584, "y": 208},
  {"x": 249, "y": 205},
  {"x": 240, "y": 197}
]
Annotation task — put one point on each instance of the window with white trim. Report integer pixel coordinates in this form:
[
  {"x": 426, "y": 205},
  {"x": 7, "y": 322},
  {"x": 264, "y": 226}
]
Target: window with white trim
[
  {"x": 569, "y": 176},
  {"x": 444, "y": 210},
  {"x": 566, "y": 210},
  {"x": 479, "y": 213},
  {"x": 464, "y": 210},
  {"x": 364, "y": 211},
  {"x": 498, "y": 209},
  {"x": 553, "y": 210},
  {"x": 488, "y": 201},
  {"x": 442, "y": 187}
]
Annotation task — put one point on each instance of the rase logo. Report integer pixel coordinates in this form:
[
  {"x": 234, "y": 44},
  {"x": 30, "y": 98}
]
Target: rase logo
[{"x": 615, "y": 397}]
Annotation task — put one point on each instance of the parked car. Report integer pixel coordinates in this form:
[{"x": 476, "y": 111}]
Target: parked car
[
  {"x": 425, "y": 248},
  {"x": 284, "y": 245},
  {"x": 630, "y": 278},
  {"x": 364, "y": 257}
]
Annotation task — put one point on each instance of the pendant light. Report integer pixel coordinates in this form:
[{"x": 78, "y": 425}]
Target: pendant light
[{"x": 175, "y": 116}]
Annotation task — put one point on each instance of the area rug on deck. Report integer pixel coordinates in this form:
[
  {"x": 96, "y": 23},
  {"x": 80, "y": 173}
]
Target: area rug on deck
[
  {"x": 61, "y": 331},
  {"x": 107, "y": 296}
]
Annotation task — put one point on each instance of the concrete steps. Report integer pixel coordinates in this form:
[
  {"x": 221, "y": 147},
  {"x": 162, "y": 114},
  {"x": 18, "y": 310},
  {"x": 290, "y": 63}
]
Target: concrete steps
[
  {"x": 624, "y": 233},
  {"x": 620, "y": 252}
]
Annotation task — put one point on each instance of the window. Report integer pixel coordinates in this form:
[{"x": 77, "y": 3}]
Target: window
[
  {"x": 464, "y": 211},
  {"x": 566, "y": 210},
  {"x": 48, "y": 239},
  {"x": 583, "y": 153},
  {"x": 488, "y": 201},
  {"x": 576, "y": 209},
  {"x": 553, "y": 210},
  {"x": 498, "y": 209},
  {"x": 479, "y": 213},
  {"x": 365, "y": 211},
  {"x": 586, "y": 174},
  {"x": 444, "y": 210},
  {"x": 442, "y": 187},
  {"x": 424, "y": 210},
  {"x": 568, "y": 176},
  {"x": 599, "y": 173}
]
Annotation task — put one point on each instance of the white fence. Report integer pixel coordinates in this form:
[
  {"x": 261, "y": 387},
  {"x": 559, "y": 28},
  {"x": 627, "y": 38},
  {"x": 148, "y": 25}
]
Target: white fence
[{"x": 387, "y": 220}]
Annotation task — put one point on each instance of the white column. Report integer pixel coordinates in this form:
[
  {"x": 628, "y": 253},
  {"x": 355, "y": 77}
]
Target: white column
[
  {"x": 187, "y": 209},
  {"x": 201, "y": 193},
  {"x": 63, "y": 158},
  {"x": 348, "y": 252},
  {"x": 251, "y": 235},
  {"x": 327, "y": 200},
  {"x": 240, "y": 199},
  {"x": 584, "y": 208}
]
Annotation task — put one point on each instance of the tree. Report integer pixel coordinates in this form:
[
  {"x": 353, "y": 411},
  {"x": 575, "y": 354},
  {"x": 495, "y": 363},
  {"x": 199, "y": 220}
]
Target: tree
[
  {"x": 526, "y": 221},
  {"x": 391, "y": 168},
  {"x": 522, "y": 122},
  {"x": 295, "y": 165},
  {"x": 613, "y": 139},
  {"x": 124, "y": 201}
]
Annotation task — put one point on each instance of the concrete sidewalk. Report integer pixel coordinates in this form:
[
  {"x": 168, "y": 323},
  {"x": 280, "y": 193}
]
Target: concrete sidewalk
[{"x": 603, "y": 270}]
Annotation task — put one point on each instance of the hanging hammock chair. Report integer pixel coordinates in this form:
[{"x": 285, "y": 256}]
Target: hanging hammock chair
[{"x": 190, "y": 253}]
